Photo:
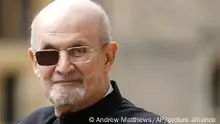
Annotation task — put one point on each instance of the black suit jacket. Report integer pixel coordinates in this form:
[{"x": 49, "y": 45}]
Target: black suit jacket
[{"x": 112, "y": 109}]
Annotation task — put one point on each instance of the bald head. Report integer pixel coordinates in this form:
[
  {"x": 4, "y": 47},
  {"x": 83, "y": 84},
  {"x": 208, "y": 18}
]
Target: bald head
[{"x": 61, "y": 15}]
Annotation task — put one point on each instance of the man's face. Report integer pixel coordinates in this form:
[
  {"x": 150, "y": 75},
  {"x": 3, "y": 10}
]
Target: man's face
[{"x": 67, "y": 82}]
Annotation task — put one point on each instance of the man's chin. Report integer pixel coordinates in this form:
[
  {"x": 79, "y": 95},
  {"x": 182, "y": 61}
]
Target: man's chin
[
  {"x": 61, "y": 98},
  {"x": 60, "y": 102},
  {"x": 64, "y": 100},
  {"x": 57, "y": 105},
  {"x": 64, "y": 109}
]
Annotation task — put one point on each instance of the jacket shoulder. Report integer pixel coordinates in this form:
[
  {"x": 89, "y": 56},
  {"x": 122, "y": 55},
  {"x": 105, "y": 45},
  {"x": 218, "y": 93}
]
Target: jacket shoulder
[
  {"x": 129, "y": 111},
  {"x": 42, "y": 115}
]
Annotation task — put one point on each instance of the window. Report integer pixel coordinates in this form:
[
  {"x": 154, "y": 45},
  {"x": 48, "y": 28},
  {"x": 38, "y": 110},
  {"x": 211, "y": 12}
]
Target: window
[
  {"x": 11, "y": 18},
  {"x": 8, "y": 110},
  {"x": 16, "y": 17}
]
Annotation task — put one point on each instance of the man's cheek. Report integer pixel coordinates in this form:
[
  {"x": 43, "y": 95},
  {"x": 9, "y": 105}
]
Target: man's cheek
[
  {"x": 45, "y": 79},
  {"x": 46, "y": 73},
  {"x": 89, "y": 74},
  {"x": 44, "y": 83},
  {"x": 87, "y": 70}
]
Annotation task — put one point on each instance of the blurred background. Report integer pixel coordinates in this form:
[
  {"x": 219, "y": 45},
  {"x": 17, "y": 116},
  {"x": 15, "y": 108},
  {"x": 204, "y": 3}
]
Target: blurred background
[{"x": 168, "y": 60}]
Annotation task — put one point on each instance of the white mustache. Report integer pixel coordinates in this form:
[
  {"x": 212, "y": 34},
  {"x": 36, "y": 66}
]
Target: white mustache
[{"x": 60, "y": 78}]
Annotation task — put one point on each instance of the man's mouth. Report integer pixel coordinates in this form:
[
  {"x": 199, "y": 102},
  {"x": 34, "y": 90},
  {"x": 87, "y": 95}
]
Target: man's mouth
[{"x": 68, "y": 82}]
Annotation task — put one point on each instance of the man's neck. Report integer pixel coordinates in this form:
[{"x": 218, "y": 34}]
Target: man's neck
[{"x": 110, "y": 89}]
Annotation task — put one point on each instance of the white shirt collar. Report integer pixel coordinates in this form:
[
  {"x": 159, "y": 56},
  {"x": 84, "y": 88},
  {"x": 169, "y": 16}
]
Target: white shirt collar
[{"x": 110, "y": 89}]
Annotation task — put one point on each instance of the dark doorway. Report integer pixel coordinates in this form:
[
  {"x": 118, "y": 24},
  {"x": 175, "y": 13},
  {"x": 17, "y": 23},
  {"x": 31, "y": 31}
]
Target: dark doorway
[
  {"x": 216, "y": 90},
  {"x": 9, "y": 82}
]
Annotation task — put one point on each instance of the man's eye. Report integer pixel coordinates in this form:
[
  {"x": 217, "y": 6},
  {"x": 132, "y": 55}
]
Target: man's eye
[{"x": 78, "y": 51}]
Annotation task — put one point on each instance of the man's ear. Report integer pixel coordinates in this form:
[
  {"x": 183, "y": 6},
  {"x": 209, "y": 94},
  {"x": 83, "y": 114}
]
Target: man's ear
[
  {"x": 110, "y": 55},
  {"x": 34, "y": 62}
]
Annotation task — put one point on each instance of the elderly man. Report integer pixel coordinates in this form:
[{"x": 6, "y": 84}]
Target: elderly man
[{"x": 72, "y": 54}]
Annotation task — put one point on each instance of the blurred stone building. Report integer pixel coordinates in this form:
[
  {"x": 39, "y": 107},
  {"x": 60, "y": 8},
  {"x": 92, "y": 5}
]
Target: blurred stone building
[{"x": 167, "y": 60}]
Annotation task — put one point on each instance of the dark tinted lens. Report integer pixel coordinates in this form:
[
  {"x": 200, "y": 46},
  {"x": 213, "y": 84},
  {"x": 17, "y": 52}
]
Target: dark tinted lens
[{"x": 46, "y": 58}]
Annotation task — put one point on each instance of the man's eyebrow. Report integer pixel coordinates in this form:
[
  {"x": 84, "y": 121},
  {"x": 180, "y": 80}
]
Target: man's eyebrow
[
  {"x": 48, "y": 46},
  {"x": 80, "y": 43}
]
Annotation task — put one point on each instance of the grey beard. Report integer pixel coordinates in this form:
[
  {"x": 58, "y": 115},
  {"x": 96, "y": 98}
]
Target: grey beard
[{"x": 63, "y": 98}]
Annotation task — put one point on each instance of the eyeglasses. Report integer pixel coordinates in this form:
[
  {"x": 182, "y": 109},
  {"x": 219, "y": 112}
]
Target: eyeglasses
[{"x": 80, "y": 54}]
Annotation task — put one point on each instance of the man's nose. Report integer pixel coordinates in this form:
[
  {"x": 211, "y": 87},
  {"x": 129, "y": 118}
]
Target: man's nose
[{"x": 64, "y": 66}]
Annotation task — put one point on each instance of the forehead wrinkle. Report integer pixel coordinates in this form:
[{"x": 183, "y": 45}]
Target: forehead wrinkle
[{"x": 63, "y": 40}]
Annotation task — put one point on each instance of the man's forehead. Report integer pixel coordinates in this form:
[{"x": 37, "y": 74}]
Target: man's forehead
[
  {"x": 64, "y": 40},
  {"x": 56, "y": 37},
  {"x": 68, "y": 16},
  {"x": 83, "y": 36}
]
